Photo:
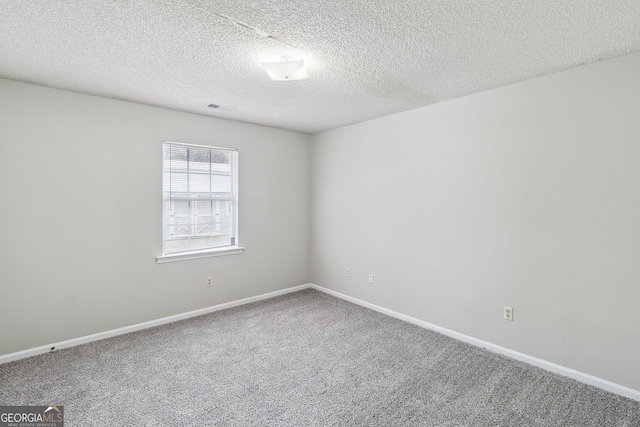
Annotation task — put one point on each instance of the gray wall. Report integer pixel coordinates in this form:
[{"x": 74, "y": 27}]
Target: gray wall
[
  {"x": 80, "y": 215},
  {"x": 527, "y": 196},
  {"x": 524, "y": 196}
]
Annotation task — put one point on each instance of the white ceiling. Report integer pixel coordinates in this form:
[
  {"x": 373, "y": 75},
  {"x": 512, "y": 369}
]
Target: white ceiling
[{"x": 366, "y": 58}]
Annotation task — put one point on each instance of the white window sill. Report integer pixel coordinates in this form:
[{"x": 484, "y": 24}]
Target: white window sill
[{"x": 183, "y": 256}]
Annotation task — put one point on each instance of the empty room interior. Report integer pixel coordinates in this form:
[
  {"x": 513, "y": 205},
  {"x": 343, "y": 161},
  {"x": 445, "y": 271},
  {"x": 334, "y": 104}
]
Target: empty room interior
[{"x": 416, "y": 212}]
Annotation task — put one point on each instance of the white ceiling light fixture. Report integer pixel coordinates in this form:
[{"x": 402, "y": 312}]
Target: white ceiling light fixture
[{"x": 286, "y": 70}]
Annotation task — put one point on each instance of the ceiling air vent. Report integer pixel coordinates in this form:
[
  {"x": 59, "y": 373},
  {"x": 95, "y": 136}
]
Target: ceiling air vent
[{"x": 219, "y": 107}]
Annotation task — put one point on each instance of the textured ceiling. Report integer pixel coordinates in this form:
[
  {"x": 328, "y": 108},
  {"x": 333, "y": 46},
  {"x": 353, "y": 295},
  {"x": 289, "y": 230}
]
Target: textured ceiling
[{"x": 366, "y": 58}]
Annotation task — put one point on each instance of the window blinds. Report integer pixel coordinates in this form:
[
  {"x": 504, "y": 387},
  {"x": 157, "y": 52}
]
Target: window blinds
[{"x": 199, "y": 198}]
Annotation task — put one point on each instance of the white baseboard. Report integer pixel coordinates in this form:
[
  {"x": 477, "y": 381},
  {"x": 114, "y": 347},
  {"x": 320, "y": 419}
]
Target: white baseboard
[
  {"x": 552, "y": 367},
  {"x": 540, "y": 363},
  {"x": 6, "y": 358}
]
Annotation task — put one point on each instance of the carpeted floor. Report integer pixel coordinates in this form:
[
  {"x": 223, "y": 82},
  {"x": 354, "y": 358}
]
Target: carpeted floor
[{"x": 302, "y": 359}]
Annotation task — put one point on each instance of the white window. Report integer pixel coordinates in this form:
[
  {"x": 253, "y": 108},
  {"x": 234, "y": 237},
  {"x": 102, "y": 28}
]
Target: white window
[{"x": 200, "y": 200}]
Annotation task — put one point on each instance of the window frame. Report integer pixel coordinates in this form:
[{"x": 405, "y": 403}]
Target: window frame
[{"x": 209, "y": 251}]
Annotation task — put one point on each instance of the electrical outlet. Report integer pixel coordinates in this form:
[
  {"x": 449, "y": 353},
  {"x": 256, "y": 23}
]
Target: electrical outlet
[
  {"x": 371, "y": 279},
  {"x": 209, "y": 282},
  {"x": 508, "y": 313},
  {"x": 348, "y": 272}
]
